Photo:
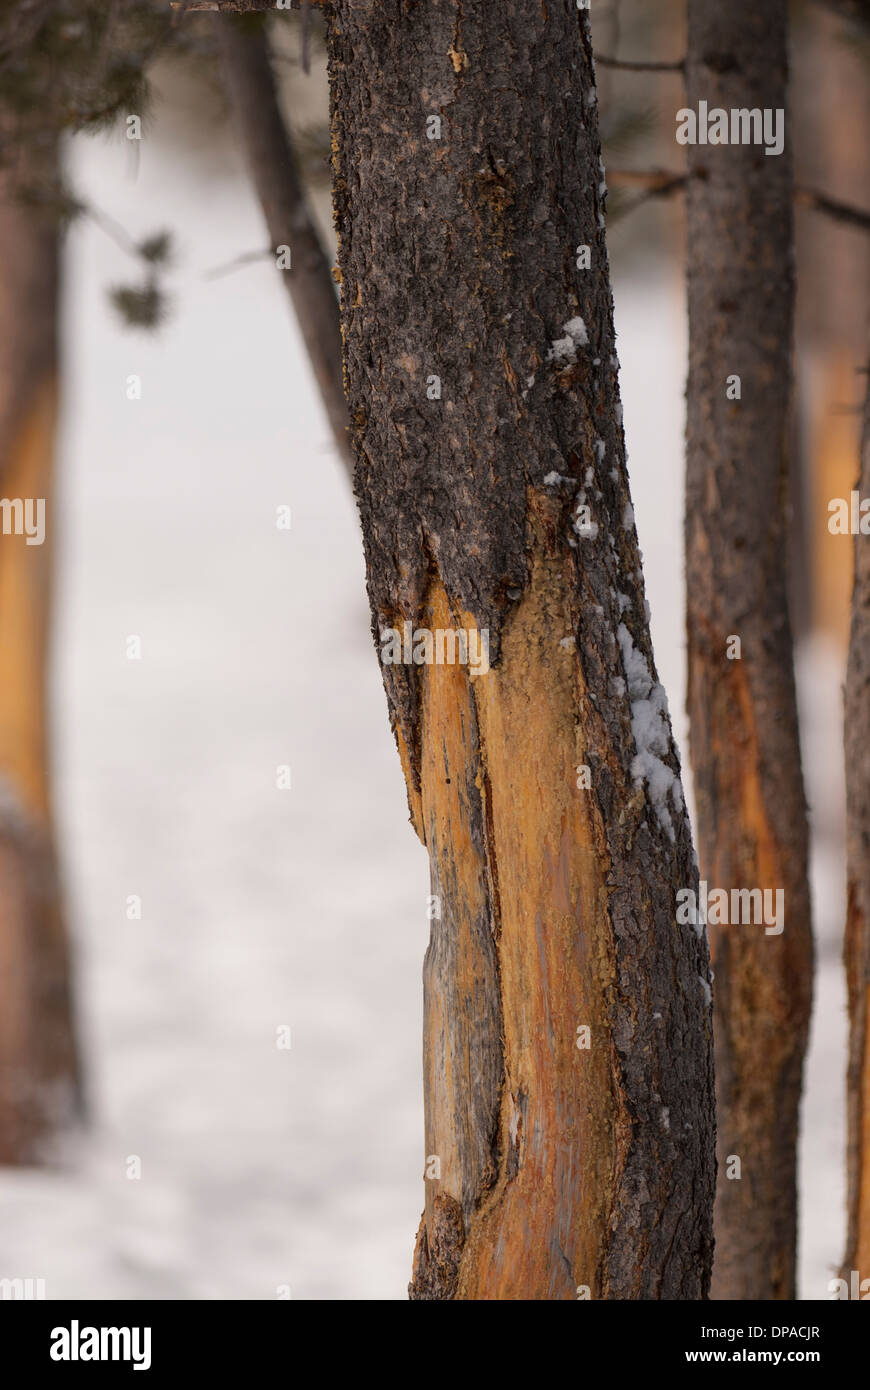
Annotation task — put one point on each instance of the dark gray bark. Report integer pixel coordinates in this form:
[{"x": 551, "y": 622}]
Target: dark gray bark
[
  {"x": 275, "y": 171},
  {"x": 752, "y": 827},
  {"x": 558, "y": 1168}
]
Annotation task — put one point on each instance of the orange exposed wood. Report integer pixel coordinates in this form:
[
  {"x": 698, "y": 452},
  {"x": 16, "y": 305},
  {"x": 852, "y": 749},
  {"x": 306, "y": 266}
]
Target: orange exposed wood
[
  {"x": 539, "y": 875},
  {"x": 25, "y": 576},
  {"x": 556, "y": 968}
]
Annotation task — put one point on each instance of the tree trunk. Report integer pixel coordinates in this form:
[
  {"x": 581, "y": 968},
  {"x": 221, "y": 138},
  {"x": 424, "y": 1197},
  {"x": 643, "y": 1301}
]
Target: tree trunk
[
  {"x": 38, "y": 1066},
  {"x": 552, "y": 1166},
  {"x": 857, "y": 742},
  {"x": 833, "y": 292},
  {"x": 752, "y": 827},
  {"x": 275, "y": 171}
]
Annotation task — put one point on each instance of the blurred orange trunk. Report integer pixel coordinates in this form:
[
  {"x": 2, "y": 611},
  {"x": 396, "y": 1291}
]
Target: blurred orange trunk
[{"x": 38, "y": 1068}]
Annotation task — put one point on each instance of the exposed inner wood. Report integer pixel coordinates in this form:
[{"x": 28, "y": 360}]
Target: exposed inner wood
[
  {"x": 25, "y": 577},
  {"x": 559, "y": 1155},
  {"x": 532, "y": 1132}
]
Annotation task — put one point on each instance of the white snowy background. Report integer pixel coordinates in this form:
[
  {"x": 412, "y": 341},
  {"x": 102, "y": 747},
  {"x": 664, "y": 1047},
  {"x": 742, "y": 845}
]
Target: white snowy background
[{"x": 261, "y": 907}]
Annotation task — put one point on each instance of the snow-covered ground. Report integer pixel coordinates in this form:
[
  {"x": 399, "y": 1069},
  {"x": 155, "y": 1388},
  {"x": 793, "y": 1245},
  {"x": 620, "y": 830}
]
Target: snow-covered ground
[{"x": 264, "y": 908}]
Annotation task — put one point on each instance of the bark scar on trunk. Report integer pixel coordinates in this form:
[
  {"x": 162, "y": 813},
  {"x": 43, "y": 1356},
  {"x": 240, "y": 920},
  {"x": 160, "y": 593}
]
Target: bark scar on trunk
[{"x": 438, "y": 1252}]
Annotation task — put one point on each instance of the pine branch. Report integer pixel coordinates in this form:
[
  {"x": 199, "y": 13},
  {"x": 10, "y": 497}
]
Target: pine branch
[
  {"x": 628, "y": 65},
  {"x": 656, "y": 182},
  {"x": 661, "y": 183},
  {"x": 840, "y": 212},
  {"x": 237, "y": 262}
]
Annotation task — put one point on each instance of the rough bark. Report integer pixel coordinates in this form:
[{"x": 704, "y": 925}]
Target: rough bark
[
  {"x": 275, "y": 171},
  {"x": 857, "y": 941},
  {"x": 752, "y": 826},
  {"x": 38, "y": 1062},
  {"x": 559, "y": 1167}
]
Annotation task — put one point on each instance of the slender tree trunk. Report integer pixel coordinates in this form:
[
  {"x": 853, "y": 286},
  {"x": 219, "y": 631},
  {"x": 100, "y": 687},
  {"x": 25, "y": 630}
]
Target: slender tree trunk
[
  {"x": 752, "y": 827},
  {"x": 38, "y": 1065},
  {"x": 275, "y": 171},
  {"x": 857, "y": 742},
  {"x": 833, "y": 292},
  {"x": 551, "y": 1165}
]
